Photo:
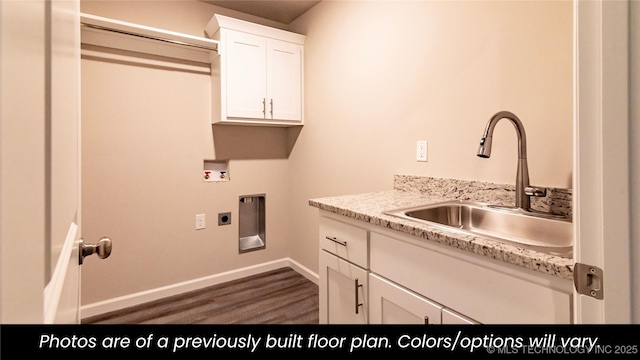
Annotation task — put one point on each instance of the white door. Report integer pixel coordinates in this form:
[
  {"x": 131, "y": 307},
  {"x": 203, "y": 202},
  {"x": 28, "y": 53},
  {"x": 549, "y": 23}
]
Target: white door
[
  {"x": 246, "y": 75},
  {"x": 344, "y": 288},
  {"x": 284, "y": 80},
  {"x": 393, "y": 304},
  {"x": 601, "y": 164},
  {"x": 63, "y": 216},
  {"x": 40, "y": 217}
]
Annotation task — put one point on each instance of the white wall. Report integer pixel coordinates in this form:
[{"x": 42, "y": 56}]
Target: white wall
[
  {"x": 634, "y": 138},
  {"x": 381, "y": 75},
  {"x": 22, "y": 161},
  {"x": 146, "y": 131}
]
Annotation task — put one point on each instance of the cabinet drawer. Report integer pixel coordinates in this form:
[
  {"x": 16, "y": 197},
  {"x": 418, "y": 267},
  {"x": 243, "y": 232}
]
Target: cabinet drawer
[
  {"x": 345, "y": 241},
  {"x": 485, "y": 293}
]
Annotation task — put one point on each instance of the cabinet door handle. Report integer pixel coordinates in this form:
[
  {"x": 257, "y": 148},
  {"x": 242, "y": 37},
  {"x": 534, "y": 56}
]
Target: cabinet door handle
[
  {"x": 271, "y": 108},
  {"x": 343, "y": 243},
  {"x": 264, "y": 107},
  {"x": 358, "y": 303}
]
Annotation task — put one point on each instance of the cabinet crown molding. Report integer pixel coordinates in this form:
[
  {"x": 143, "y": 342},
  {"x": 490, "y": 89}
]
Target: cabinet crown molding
[{"x": 220, "y": 21}]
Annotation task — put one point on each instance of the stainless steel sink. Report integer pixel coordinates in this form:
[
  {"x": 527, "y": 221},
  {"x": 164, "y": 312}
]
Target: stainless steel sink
[{"x": 549, "y": 235}]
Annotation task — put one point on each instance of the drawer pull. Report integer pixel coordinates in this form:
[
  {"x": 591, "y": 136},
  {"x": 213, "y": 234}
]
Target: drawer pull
[
  {"x": 343, "y": 243},
  {"x": 272, "y": 108},
  {"x": 358, "y": 303}
]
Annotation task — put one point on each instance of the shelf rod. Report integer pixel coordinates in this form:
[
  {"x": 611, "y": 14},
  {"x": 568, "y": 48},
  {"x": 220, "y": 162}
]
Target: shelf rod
[{"x": 146, "y": 32}]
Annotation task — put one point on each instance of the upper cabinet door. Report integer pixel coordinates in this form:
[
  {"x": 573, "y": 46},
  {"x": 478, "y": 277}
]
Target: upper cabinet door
[
  {"x": 246, "y": 76},
  {"x": 284, "y": 80}
]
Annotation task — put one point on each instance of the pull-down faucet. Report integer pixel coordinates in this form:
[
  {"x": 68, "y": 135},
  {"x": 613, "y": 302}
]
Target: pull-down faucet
[{"x": 523, "y": 190}]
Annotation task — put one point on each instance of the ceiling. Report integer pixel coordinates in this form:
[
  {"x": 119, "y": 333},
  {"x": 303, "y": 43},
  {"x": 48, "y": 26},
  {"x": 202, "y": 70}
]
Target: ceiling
[{"x": 281, "y": 11}]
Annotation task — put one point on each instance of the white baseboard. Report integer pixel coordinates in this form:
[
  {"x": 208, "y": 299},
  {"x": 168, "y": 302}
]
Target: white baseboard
[
  {"x": 306, "y": 272},
  {"x": 125, "y": 301}
]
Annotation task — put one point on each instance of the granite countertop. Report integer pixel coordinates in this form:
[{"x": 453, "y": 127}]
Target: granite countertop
[{"x": 369, "y": 207}]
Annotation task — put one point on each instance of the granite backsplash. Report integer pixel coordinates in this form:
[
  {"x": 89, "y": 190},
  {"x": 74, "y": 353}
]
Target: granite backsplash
[{"x": 558, "y": 201}]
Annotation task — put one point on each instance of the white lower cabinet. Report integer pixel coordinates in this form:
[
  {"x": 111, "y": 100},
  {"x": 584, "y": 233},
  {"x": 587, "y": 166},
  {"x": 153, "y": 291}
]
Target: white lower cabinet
[
  {"x": 379, "y": 276},
  {"x": 343, "y": 291},
  {"x": 486, "y": 291},
  {"x": 344, "y": 274}
]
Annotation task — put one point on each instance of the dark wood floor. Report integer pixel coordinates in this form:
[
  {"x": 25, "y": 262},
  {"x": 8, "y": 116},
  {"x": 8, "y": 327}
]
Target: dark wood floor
[{"x": 280, "y": 296}]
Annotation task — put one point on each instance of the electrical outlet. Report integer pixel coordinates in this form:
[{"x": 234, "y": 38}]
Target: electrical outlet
[
  {"x": 422, "y": 151},
  {"x": 224, "y": 218},
  {"x": 200, "y": 222}
]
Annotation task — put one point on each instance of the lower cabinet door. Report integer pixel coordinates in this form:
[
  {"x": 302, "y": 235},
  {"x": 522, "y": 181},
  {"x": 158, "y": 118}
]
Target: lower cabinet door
[
  {"x": 393, "y": 304},
  {"x": 343, "y": 291},
  {"x": 451, "y": 317}
]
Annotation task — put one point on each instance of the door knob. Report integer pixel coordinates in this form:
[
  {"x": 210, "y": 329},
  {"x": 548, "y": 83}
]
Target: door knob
[{"x": 102, "y": 249}]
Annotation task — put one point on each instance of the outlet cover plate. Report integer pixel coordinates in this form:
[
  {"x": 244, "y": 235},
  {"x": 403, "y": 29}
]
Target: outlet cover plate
[
  {"x": 200, "y": 221},
  {"x": 421, "y": 151}
]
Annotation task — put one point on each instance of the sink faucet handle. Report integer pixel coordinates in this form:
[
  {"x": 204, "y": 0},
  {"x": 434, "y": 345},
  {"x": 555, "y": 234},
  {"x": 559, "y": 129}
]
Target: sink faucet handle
[{"x": 535, "y": 191}]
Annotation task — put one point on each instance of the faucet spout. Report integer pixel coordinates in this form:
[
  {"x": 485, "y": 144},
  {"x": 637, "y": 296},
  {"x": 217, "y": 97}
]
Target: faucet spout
[{"x": 523, "y": 190}]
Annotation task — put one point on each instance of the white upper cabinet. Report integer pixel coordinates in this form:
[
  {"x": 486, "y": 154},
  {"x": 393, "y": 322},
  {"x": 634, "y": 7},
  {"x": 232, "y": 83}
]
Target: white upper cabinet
[{"x": 258, "y": 78}]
